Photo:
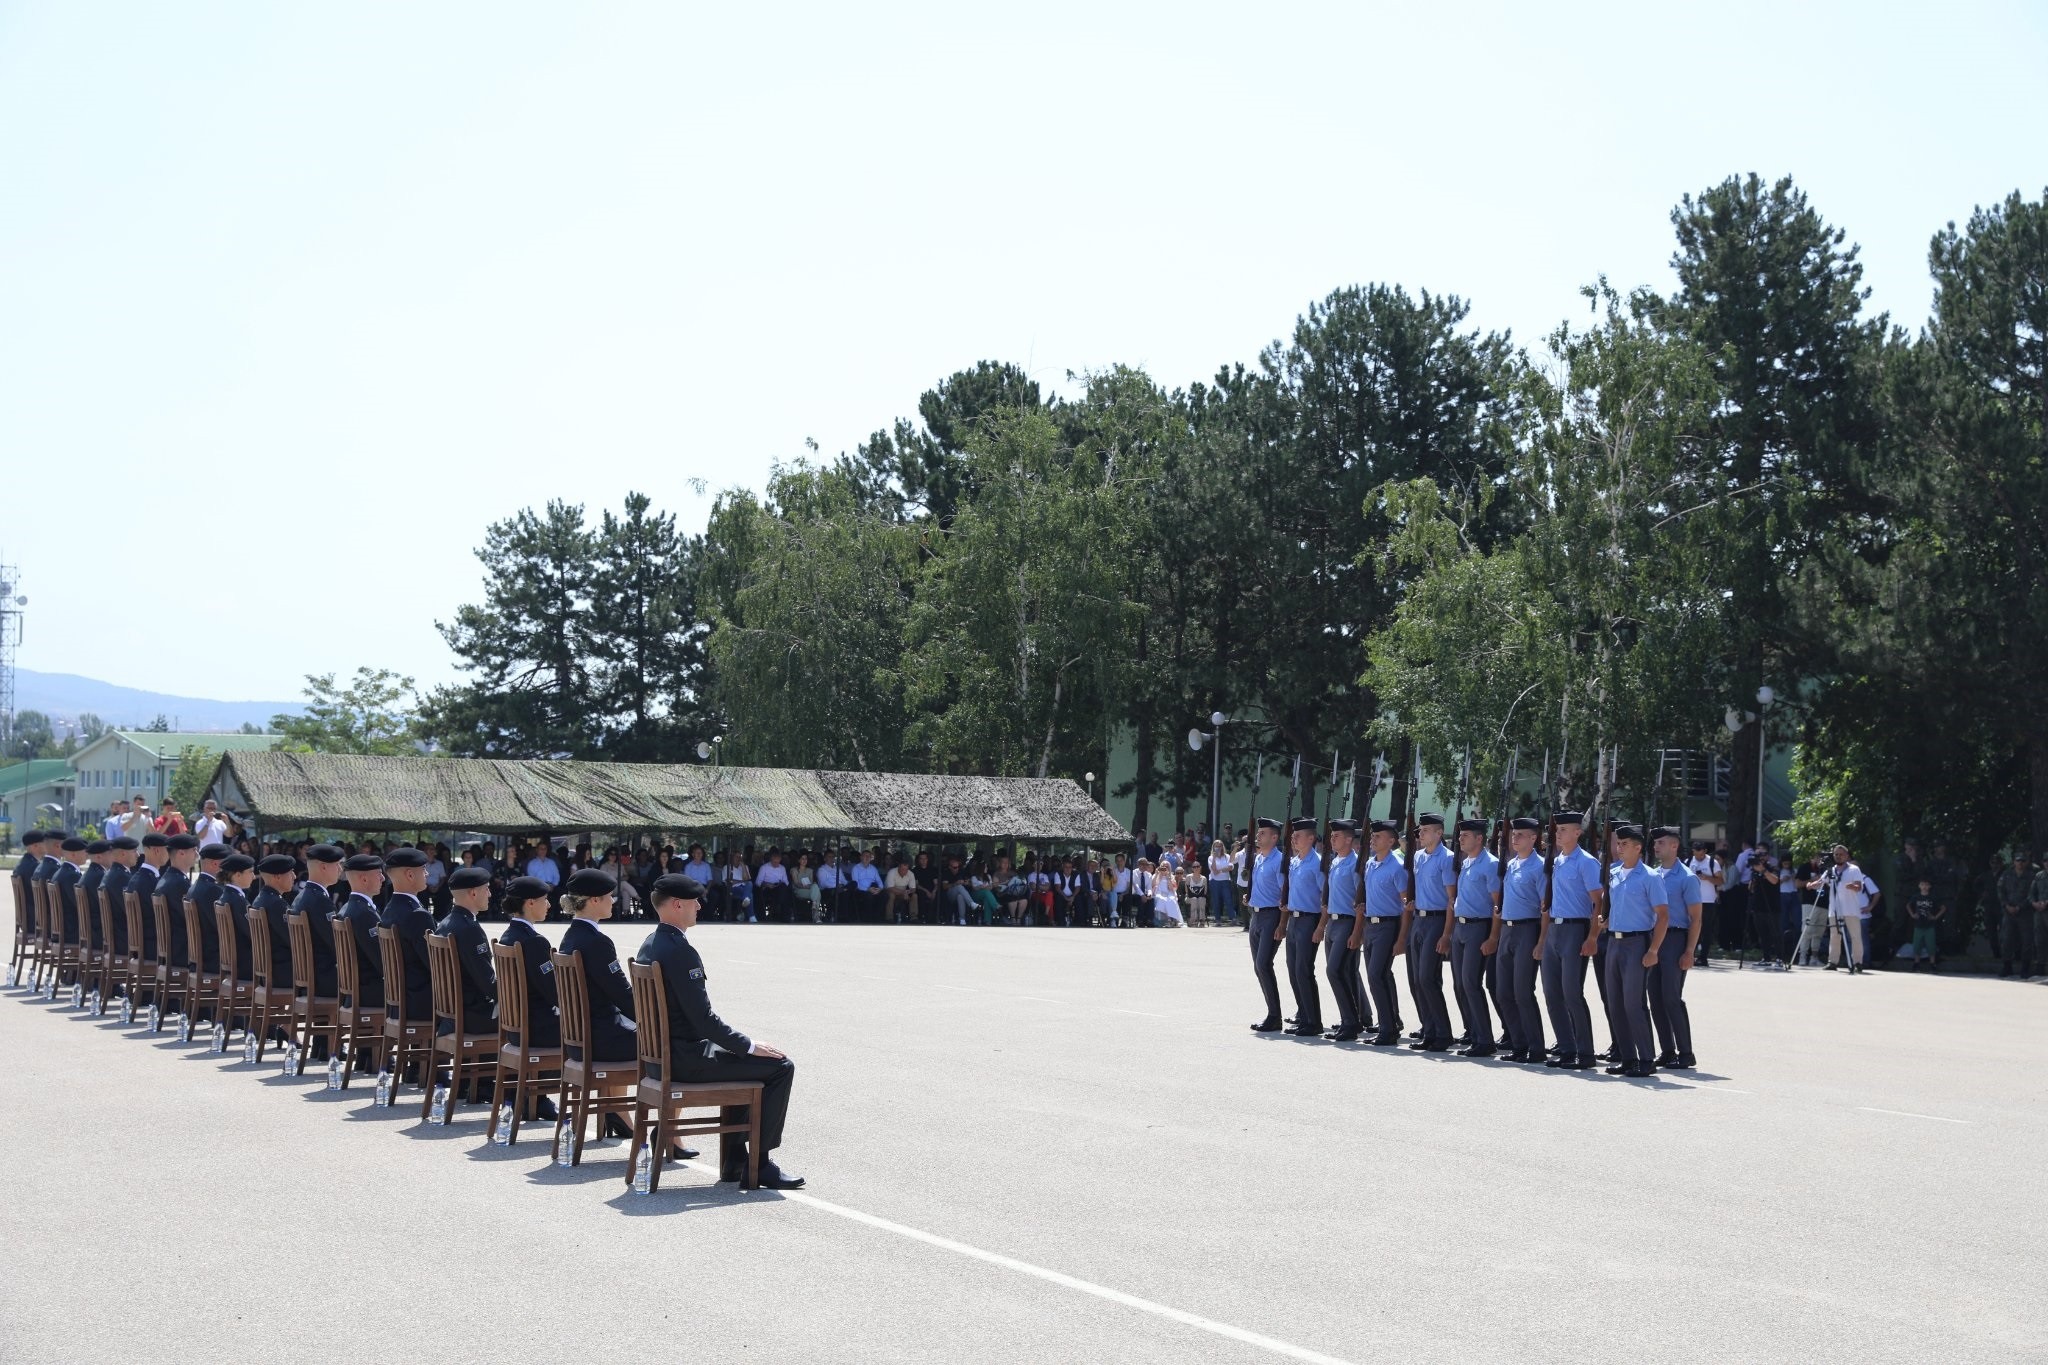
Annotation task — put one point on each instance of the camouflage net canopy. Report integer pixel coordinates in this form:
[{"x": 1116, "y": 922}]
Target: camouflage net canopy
[{"x": 536, "y": 796}]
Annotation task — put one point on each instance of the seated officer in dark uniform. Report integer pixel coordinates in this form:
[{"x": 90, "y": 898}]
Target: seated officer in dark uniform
[
  {"x": 526, "y": 902},
  {"x": 204, "y": 891},
  {"x": 97, "y": 852},
  {"x": 173, "y": 886},
  {"x": 588, "y": 898},
  {"x": 469, "y": 890},
  {"x": 237, "y": 875},
  {"x": 25, "y": 870},
  {"x": 406, "y": 869},
  {"x": 356, "y": 923},
  {"x": 65, "y": 881},
  {"x": 114, "y": 888},
  {"x": 315, "y": 901},
  {"x": 703, "y": 1047},
  {"x": 156, "y": 853},
  {"x": 279, "y": 872}
]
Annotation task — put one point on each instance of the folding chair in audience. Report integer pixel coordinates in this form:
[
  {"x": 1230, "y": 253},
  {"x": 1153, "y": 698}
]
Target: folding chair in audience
[{"x": 141, "y": 968}]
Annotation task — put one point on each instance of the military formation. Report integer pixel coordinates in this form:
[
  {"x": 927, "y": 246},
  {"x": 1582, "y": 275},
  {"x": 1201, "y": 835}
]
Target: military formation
[
  {"x": 1534, "y": 909},
  {"x": 331, "y": 958}
]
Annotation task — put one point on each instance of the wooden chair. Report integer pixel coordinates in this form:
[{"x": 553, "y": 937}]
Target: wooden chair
[
  {"x": 270, "y": 1002},
  {"x": 68, "y": 954},
  {"x": 87, "y": 991},
  {"x": 313, "y": 1016},
  {"x": 141, "y": 975},
  {"x": 113, "y": 966},
  {"x": 23, "y": 957},
  {"x": 662, "y": 1101},
  {"x": 173, "y": 985},
  {"x": 45, "y": 950},
  {"x": 214, "y": 993},
  {"x": 357, "y": 1026},
  {"x": 410, "y": 1042},
  {"x": 468, "y": 1055},
  {"x": 521, "y": 1069},
  {"x": 581, "y": 1095}
]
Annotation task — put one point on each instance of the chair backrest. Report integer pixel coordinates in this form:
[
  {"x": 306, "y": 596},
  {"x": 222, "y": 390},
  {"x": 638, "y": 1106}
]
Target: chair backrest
[
  {"x": 259, "y": 949},
  {"x": 572, "y": 997},
  {"x": 650, "y": 1015},
  {"x": 348, "y": 974},
  {"x": 301, "y": 930},
  {"x": 106, "y": 919},
  {"x": 393, "y": 953},
  {"x": 135, "y": 935},
  {"x": 165, "y": 908},
  {"x": 510, "y": 965},
  {"x": 230, "y": 941},
  {"x": 42, "y": 895},
  {"x": 24, "y": 910},
  {"x": 446, "y": 974}
]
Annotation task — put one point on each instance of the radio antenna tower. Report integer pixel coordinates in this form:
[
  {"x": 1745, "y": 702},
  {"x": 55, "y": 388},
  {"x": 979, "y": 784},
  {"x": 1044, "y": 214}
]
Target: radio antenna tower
[{"x": 11, "y": 604}]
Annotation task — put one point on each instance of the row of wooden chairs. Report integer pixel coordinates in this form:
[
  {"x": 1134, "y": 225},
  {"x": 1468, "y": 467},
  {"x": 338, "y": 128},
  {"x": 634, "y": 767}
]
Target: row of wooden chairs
[{"x": 445, "y": 1058}]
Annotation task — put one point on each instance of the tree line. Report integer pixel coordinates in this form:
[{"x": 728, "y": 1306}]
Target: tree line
[{"x": 1392, "y": 530}]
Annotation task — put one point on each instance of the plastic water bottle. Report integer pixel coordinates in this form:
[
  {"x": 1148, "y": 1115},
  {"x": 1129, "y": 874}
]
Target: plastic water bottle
[
  {"x": 334, "y": 1071},
  {"x": 78, "y": 995},
  {"x": 218, "y": 1044},
  {"x": 501, "y": 1131},
  {"x": 565, "y": 1154},
  {"x": 13, "y": 976},
  {"x": 291, "y": 1059},
  {"x": 386, "y": 1085},
  {"x": 94, "y": 1003},
  {"x": 439, "y": 1113},
  {"x": 643, "y": 1170},
  {"x": 156, "y": 1019},
  {"x": 127, "y": 1009},
  {"x": 185, "y": 1028},
  {"x": 248, "y": 1047}
]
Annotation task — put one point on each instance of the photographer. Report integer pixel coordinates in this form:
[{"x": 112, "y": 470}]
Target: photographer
[{"x": 1766, "y": 872}]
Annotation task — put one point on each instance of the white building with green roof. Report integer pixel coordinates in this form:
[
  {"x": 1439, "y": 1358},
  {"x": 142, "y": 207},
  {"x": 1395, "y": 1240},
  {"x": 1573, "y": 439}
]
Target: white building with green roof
[{"x": 123, "y": 764}]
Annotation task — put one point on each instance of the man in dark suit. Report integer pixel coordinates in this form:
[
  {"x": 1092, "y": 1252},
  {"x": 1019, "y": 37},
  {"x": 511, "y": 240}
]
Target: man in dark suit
[
  {"x": 316, "y": 902},
  {"x": 205, "y": 890},
  {"x": 406, "y": 870},
  {"x": 26, "y": 868},
  {"x": 469, "y": 891},
  {"x": 703, "y": 1047},
  {"x": 356, "y": 923}
]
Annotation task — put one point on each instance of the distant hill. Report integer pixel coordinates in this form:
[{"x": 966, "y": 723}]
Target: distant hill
[{"x": 64, "y": 696}]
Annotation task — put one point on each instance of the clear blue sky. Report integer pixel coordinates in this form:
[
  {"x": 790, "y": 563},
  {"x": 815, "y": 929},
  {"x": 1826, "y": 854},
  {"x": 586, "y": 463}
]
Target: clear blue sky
[{"x": 301, "y": 297}]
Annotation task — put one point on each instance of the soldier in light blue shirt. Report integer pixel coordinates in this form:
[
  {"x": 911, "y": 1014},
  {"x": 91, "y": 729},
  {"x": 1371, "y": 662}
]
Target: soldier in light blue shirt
[
  {"x": 1476, "y": 934},
  {"x": 1570, "y": 936},
  {"x": 1268, "y": 880},
  {"x": 1521, "y": 944},
  {"x": 1674, "y": 959},
  {"x": 1342, "y": 933},
  {"x": 1387, "y": 920},
  {"x": 1304, "y": 913},
  {"x": 1636, "y": 923},
  {"x": 1429, "y": 938}
]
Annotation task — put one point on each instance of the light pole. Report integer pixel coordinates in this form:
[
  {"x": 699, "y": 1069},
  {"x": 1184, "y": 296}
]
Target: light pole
[
  {"x": 707, "y": 749},
  {"x": 1764, "y": 697},
  {"x": 1089, "y": 778},
  {"x": 1197, "y": 737}
]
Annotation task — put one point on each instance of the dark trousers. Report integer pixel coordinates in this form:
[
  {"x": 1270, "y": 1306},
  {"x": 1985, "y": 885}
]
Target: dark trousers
[
  {"x": 775, "y": 1075},
  {"x": 1340, "y": 966},
  {"x": 1564, "y": 987},
  {"x": 1301, "y": 972},
  {"x": 1381, "y": 938},
  {"x": 1763, "y": 915},
  {"x": 1628, "y": 997},
  {"x": 1734, "y": 917},
  {"x": 1667, "y": 997},
  {"x": 1428, "y": 966},
  {"x": 1264, "y": 949},
  {"x": 1468, "y": 971},
  {"x": 867, "y": 907},
  {"x": 1515, "y": 969}
]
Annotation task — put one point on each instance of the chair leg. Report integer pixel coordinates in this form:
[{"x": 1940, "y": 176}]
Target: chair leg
[
  {"x": 639, "y": 1137},
  {"x": 430, "y": 1072},
  {"x": 663, "y": 1121},
  {"x": 753, "y": 1179},
  {"x": 582, "y": 1123},
  {"x": 561, "y": 1119},
  {"x": 519, "y": 1101}
]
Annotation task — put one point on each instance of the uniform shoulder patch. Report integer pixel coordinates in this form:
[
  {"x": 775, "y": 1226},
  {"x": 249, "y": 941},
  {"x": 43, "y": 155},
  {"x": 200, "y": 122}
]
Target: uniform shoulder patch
[
  {"x": 547, "y": 966},
  {"x": 617, "y": 968},
  {"x": 696, "y": 973}
]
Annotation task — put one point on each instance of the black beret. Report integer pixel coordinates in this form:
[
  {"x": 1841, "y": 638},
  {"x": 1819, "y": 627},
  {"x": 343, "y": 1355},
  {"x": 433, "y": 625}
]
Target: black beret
[
  {"x": 98, "y": 846},
  {"x": 1305, "y": 822},
  {"x": 1664, "y": 832},
  {"x": 153, "y": 840},
  {"x": 1527, "y": 822},
  {"x": 210, "y": 852},
  {"x": 1344, "y": 827},
  {"x": 1265, "y": 823},
  {"x": 237, "y": 862},
  {"x": 1472, "y": 827},
  {"x": 364, "y": 862},
  {"x": 1568, "y": 817},
  {"x": 676, "y": 887},
  {"x": 592, "y": 881},
  {"x": 180, "y": 842},
  {"x": 406, "y": 857},
  {"x": 75, "y": 845},
  {"x": 520, "y": 890},
  {"x": 1632, "y": 833},
  {"x": 1429, "y": 818},
  {"x": 32, "y": 838},
  {"x": 276, "y": 863},
  {"x": 1385, "y": 827},
  {"x": 124, "y": 844},
  {"x": 324, "y": 853},
  {"x": 467, "y": 878}
]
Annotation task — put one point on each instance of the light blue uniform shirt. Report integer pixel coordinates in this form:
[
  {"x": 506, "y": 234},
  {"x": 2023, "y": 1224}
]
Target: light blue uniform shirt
[
  {"x": 1343, "y": 885},
  {"x": 1478, "y": 884},
  {"x": 1633, "y": 897},
  {"x": 1573, "y": 879},
  {"x": 1522, "y": 893},
  {"x": 1433, "y": 879},
  {"x": 1681, "y": 893},
  {"x": 1305, "y": 883},
  {"x": 1266, "y": 879},
  {"x": 1386, "y": 882}
]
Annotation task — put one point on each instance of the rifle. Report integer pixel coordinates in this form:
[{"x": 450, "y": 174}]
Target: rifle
[
  {"x": 1413, "y": 783},
  {"x": 1330, "y": 790},
  {"x": 1287, "y": 834},
  {"x": 1507, "y": 786},
  {"x": 1457, "y": 857},
  {"x": 1549, "y": 835}
]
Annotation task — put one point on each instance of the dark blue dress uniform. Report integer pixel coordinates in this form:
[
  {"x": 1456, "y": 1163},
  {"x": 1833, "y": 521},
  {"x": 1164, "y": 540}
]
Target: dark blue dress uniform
[
  {"x": 1386, "y": 887},
  {"x": 410, "y": 919},
  {"x": 95, "y": 874},
  {"x": 317, "y": 905},
  {"x": 204, "y": 891},
  {"x": 65, "y": 882},
  {"x": 703, "y": 1047},
  {"x": 612, "y": 1038},
  {"x": 25, "y": 870},
  {"x": 543, "y": 1007},
  {"x": 1478, "y": 893},
  {"x": 114, "y": 892},
  {"x": 237, "y": 902},
  {"x": 174, "y": 884},
  {"x": 356, "y": 924},
  {"x": 143, "y": 882},
  {"x": 479, "y": 982},
  {"x": 1433, "y": 872},
  {"x": 1263, "y": 898},
  {"x": 273, "y": 907},
  {"x": 1341, "y": 892}
]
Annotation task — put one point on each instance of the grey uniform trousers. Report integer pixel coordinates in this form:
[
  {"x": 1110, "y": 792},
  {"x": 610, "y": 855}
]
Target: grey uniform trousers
[
  {"x": 1564, "y": 987},
  {"x": 1428, "y": 965},
  {"x": 1667, "y": 997},
  {"x": 1515, "y": 967},
  {"x": 1468, "y": 972},
  {"x": 1340, "y": 967},
  {"x": 1264, "y": 950},
  {"x": 1301, "y": 972},
  {"x": 1628, "y": 997},
  {"x": 1382, "y": 936}
]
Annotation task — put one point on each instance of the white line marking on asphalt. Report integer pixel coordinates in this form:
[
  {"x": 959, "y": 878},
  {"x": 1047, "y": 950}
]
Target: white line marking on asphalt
[
  {"x": 1710, "y": 1089},
  {"x": 1221, "y": 1329},
  {"x": 1041, "y": 1000},
  {"x": 1900, "y": 1113},
  {"x": 964, "y": 990},
  {"x": 1146, "y": 1013}
]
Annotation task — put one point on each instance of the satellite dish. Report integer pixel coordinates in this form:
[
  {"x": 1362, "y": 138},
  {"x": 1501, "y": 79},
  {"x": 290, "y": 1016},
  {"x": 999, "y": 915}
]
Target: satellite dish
[
  {"x": 1195, "y": 738},
  {"x": 1731, "y": 720},
  {"x": 703, "y": 749}
]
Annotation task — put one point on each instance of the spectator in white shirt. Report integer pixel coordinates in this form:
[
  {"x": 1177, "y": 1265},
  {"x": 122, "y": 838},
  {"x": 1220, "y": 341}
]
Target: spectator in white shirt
[
  {"x": 212, "y": 828},
  {"x": 901, "y": 885},
  {"x": 1848, "y": 898},
  {"x": 1707, "y": 868},
  {"x": 1221, "y": 903}
]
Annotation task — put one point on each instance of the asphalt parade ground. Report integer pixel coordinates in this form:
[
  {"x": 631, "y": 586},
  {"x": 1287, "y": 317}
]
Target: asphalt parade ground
[{"x": 1065, "y": 1145}]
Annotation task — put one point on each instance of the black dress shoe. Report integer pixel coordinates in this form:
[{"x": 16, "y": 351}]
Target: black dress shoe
[
  {"x": 1342, "y": 1035},
  {"x": 1436, "y": 1045},
  {"x": 1557, "y": 1063},
  {"x": 1640, "y": 1071},
  {"x": 1304, "y": 1030},
  {"x": 1514, "y": 1054},
  {"x": 773, "y": 1177},
  {"x": 1266, "y": 1026},
  {"x": 1384, "y": 1040},
  {"x": 1684, "y": 1062},
  {"x": 1583, "y": 1062},
  {"x": 1465, "y": 1039},
  {"x": 1619, "y": 1067},
  {"x": 544, "y": 1110},
  {"x": 1667, "y": 1059},
  {"x": 1416, "y": 1035},
  {"x": 1483, "y": 1051},
  {"x": 616, "y": 1127},
  {"x": 678, "y": 1152}
]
